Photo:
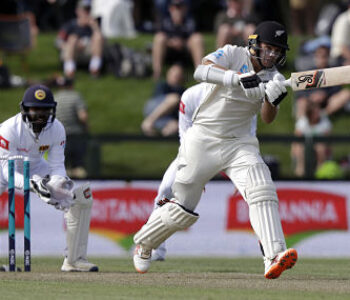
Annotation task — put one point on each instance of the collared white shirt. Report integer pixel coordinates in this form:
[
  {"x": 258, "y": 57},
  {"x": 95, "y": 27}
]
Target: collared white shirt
[{"x": 16, "y": 138}]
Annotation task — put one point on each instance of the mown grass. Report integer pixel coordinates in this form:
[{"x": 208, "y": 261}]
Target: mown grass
[{"x": 180, "y": 278}]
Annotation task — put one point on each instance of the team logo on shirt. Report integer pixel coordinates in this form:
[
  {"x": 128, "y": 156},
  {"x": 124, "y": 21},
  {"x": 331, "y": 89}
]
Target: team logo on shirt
[
  {"x": 87, "y": 193},
  {"x": 40, "y": 94},
  {"x": 4, "y": 143},
  {"x": 218, "y": 53},
  {"x": 182, "y": 107},
  {"x": 244, "y": 69},
  {"x": 44, "y": 148}
]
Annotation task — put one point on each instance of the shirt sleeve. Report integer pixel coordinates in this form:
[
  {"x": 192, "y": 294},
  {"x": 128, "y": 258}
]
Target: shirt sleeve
[
  {"x": 185, "y": 119},
  {"x": 223, "y": 56},
  {"x": 56, "y": 152},
  {"x": 8, "y": 147}
]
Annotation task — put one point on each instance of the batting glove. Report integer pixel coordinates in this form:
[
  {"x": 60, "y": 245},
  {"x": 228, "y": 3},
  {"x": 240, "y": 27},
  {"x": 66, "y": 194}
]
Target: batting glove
[
  {"x": 275, "y": 91},
  {"x": 252, "y": 85}
]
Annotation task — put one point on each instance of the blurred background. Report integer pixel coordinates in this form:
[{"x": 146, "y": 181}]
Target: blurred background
[{"x": 105, "y": 61}]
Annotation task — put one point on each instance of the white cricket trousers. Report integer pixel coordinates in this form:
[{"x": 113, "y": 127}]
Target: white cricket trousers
[{"x": 201, "y": 157}]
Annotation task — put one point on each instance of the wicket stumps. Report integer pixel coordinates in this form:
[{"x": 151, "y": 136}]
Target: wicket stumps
[{"x": 11, "y": 211}]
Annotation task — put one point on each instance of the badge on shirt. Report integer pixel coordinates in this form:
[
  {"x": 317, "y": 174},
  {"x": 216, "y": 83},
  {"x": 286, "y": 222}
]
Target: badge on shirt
[
  {"x": 44, "y": 148},
  {"x": 182, "y": 107},
  {"x": 4, "y": 143}
]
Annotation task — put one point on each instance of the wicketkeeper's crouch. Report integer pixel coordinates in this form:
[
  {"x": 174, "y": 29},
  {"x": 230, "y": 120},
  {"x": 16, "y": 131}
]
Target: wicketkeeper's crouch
[{"x": 31, "y": 133}]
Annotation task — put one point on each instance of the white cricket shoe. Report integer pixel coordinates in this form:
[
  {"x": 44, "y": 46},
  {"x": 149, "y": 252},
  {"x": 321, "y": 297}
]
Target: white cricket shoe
[
  {"x": 142, "y": 259},
  {"x": 283, "y": 261},
  {"x": 81, "y": 265},
  {"x": 159, "y": 253}
]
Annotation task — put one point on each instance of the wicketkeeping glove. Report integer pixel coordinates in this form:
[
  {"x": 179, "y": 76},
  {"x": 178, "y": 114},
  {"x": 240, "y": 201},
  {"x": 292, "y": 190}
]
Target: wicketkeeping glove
[
  {"x": 252, "y": 85},
  {"x": 275, "y": 91},
  {"x": 38, "y": 186}
]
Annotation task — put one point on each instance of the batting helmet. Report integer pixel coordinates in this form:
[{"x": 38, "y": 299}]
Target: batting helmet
[
  {"x": 272, "y": 33},
  {"x": 38, "y": 96}
]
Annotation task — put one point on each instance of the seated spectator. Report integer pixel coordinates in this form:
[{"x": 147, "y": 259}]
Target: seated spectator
[
  {"x": 21, "y": 9},
  {"x": 330, "y": 99},
  {"x": 303, "y": 15},
  {"x": 234, "y": 25},
  {"x": 176, "y": 36},
  {"x": 72, "y": 112},
  {"x": 314, "y": 123},
  {"x": 80, "y": 41},
  {"x": 116, "y": 17},
  {"x": 161, "y": 113},
  {"x": 340, "y": 51}
]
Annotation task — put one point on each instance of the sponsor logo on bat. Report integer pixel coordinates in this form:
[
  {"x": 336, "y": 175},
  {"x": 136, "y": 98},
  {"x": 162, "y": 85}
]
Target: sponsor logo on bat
[{"x": 312, "y": 80}]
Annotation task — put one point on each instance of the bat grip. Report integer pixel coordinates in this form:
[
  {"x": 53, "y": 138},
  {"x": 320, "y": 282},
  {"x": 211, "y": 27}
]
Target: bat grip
[{"x": 288, "y": 82}]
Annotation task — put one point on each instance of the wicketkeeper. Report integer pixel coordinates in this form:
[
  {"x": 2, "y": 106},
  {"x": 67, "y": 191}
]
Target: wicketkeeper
[{"x": 31, "y": 133}]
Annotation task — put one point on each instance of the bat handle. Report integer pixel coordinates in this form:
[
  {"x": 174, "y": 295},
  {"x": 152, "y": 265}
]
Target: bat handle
[{"x": 288, "y": 82}]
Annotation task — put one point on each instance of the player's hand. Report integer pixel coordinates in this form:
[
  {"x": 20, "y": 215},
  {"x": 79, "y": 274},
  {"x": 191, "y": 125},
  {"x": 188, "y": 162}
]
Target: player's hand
[
  {"x": 62, "y": 195},
  {"x": 275, "y": 91},
  {"x": 64, "y": 204},
  {"x": 252, "y": 85},
  {"x": 39, "y": 187}
]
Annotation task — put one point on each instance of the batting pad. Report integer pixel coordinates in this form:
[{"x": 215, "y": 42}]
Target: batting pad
[
  {"x": 162, "y": 223},
  {"x": 263, "y": 210},
  {"x": 78, "y": 224}
]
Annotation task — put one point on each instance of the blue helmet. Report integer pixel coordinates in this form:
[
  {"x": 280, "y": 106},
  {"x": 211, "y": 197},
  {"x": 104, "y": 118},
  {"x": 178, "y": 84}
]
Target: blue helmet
[{"x": 40, "y": 97}]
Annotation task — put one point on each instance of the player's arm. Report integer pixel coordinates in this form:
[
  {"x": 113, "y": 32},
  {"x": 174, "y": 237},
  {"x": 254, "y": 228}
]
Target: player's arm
[
  {"x": 211, "y": 72},
  {"x": 8, "y": 147},
  {"x": 268, "y": 112},
  {"x": 56, "y": 151},
  {"x": 215, "y": 68},
  {"x": 57, "y": 186}
]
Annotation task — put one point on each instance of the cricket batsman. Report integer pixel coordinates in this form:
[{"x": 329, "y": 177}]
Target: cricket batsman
[
  {"x": 241, "y": 83},
  {"x": 190, "y": 101},
  {"x": 31, "y": 133}
]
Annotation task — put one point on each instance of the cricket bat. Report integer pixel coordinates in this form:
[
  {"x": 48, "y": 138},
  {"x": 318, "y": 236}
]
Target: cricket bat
[{"x": 319, "y": 78}]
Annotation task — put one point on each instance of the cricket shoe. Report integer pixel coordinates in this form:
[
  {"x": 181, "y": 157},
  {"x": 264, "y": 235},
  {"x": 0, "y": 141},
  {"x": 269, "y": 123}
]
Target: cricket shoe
[
  {"x": 81, "y": 265},
  {"x": 283, "y": 261},
  {"x": 142, "y": 259},
  {"x": 159, "y": 253}
]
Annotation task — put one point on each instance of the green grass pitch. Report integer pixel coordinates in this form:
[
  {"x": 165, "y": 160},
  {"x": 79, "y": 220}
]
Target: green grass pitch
[{"x": 180, "y": 278}]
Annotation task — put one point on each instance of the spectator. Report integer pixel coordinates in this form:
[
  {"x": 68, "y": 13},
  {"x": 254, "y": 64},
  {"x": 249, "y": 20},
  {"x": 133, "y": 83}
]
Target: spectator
[
  {"x": 115, "y": 17},
  {"x": 340, "y": 51},
  {"x": 314, "y": 123},
  {"x": 161, "y": 113},
  {"x": 21, "y": 8},
  {"x": 81, "y": 40},
  {"x": 176, "y": 36},
  {"x": 72, "y": 112},
  {"x": 235, "y": 24},
  {"x": 303, "y": 15},
  {"x": 330, "y": 99}
]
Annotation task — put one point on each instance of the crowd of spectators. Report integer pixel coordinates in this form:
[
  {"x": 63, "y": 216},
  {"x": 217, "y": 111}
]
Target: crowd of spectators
[
  {"x": 85, "y": 27},
  {"x": 315, "y": 109}
]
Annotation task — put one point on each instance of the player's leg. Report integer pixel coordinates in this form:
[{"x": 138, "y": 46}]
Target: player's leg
[
  {"x": 78, "y": 225},
  {"x": 253, "y": 179},
  {"x": 178, "y": 214},
  {"x": 164, "y": 194}
]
